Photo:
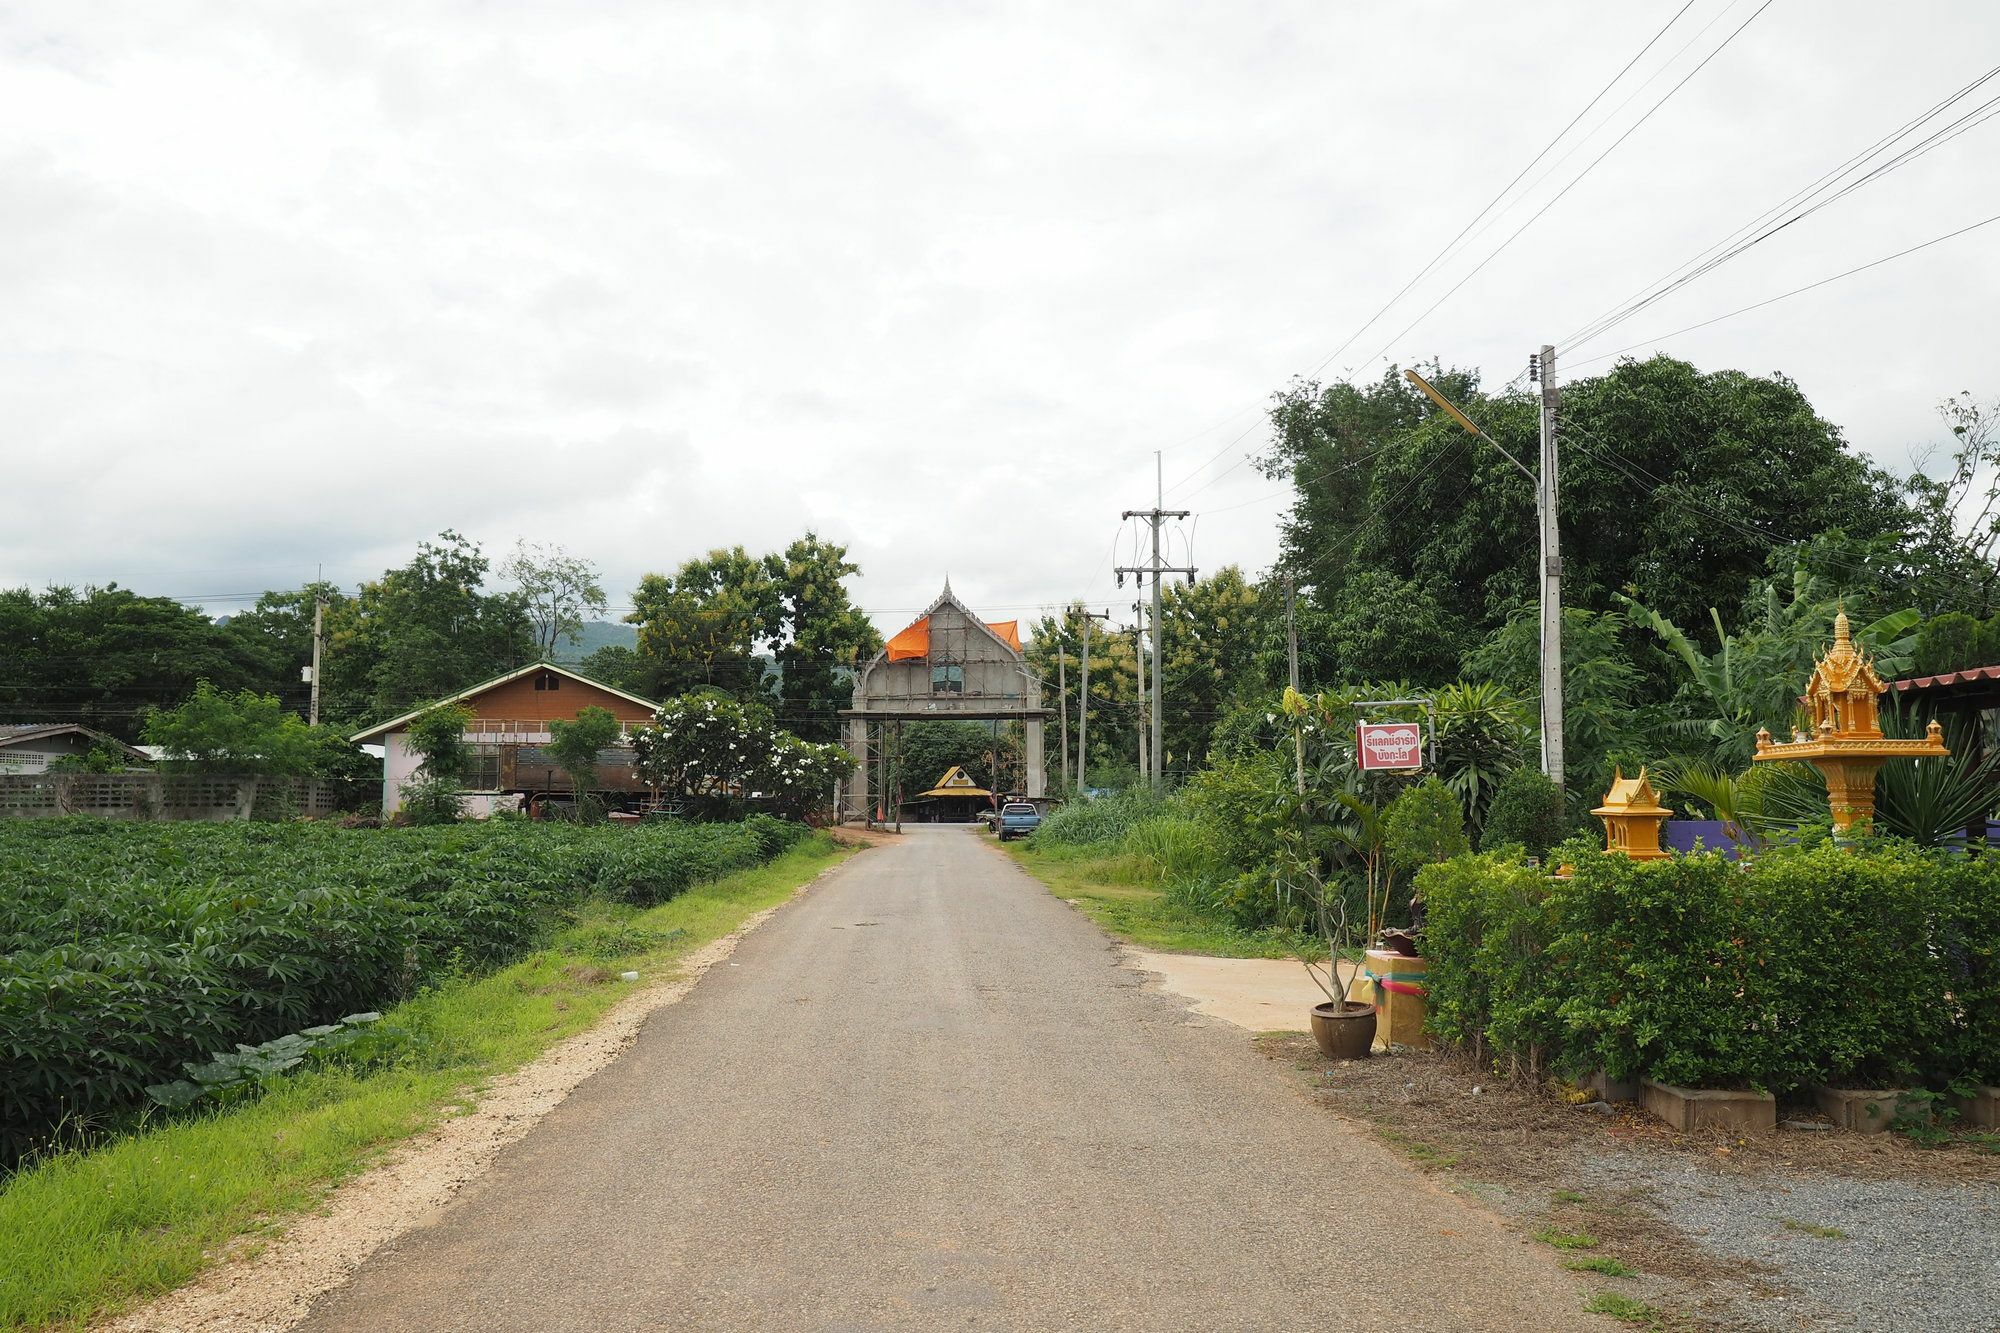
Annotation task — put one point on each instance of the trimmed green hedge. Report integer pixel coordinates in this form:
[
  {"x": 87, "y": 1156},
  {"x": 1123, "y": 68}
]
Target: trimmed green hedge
[
  {"x": 128, "y": 949},
  {"x": 1808, "y": 965}
]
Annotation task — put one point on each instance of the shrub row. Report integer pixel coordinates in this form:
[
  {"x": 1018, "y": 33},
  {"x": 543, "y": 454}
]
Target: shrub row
[
  {"x": 128, "y": 949},
  {"x": 1806, "y": 965}
]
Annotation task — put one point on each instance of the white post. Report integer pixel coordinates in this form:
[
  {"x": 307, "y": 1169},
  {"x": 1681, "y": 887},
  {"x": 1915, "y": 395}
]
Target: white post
[
  {"x": 319, "y": 635},
  {"x": 1551, "y": 577}
]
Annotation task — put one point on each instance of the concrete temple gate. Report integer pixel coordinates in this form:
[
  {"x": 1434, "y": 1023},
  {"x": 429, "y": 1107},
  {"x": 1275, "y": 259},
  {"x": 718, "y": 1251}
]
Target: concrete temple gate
[{"x": 947, "y": 666}]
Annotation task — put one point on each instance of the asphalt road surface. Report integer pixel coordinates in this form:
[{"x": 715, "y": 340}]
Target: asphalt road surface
[{"x": 927, "y": 1095}]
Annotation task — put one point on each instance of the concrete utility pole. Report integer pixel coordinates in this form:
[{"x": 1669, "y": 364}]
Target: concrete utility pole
[
  {"x": 1083, "y": 697},
  {"x": 1292, "y": 673},
  {"x": 1156, "y": 516},
  {"x": 1062, "y": 704},
  {"x": 1551, "y": 574},
  {"x": 1145, "y": 704},
  {"x": 319, "y": 638}
]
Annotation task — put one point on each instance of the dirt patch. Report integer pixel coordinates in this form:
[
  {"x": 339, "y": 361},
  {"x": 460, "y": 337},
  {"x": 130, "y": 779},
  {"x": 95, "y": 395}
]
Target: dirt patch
[
  {"x": 856, "y": 835},
  {"x": 1568, "y": 1175},
  {"x": 269, "y": 1282},
  {"x": 1256, "y": 994}
]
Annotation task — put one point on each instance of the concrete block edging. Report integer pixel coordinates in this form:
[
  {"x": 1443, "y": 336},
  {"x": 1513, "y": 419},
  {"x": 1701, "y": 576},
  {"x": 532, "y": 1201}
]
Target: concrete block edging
[{"x": 1688, "y": 1109}]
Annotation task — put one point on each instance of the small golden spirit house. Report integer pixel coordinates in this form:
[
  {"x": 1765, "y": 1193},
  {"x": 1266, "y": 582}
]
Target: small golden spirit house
[
  {"x": 1632, "y": 816},
  {"x": 1847, "y": 745}
]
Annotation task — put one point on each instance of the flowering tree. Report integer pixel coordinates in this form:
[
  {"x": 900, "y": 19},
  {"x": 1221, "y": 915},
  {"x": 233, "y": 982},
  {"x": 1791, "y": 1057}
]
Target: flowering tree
[{"x": 709, "y": 747}]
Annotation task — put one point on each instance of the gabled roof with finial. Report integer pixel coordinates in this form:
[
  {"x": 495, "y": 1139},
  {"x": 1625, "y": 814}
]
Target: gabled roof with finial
[
  {"x": 913, "y": 641},
  {"x": 1631, "y": 796},
  {"x": 1845, "y": 666}
]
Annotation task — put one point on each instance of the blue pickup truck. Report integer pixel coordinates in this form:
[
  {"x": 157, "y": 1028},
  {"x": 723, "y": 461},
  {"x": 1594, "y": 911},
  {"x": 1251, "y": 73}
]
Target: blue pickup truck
[{"x": 1018, "y": 819}]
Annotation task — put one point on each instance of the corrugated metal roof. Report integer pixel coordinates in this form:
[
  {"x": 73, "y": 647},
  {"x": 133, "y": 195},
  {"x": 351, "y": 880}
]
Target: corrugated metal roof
[{"x": 1969, "y": 676}]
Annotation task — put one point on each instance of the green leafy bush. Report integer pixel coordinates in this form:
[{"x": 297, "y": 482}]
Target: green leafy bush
[
  {"x": 1423, "y": 825},
  {"x": 1809, "y": 964},
  {"x": 1527, "y": 812}
]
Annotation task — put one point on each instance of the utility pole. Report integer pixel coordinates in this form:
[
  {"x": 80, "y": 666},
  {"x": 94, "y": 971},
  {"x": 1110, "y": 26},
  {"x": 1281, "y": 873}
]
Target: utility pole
[
  {"x": 319, "y": 638},
  {"x": 1145, "y": 704},
  {"x": 1551, "y": 573},
  {"x": 1292, "y": 673},
  {"x": 1062, "y": 703},
  {"x": 1083, "y": 697},
  {"x": 1157, "y": 516}
]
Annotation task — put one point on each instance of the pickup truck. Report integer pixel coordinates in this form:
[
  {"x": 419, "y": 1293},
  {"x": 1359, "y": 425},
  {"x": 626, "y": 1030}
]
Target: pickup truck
[{"x": 1018, "y": 819}]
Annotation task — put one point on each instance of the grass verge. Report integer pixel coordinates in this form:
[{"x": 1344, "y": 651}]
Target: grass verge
[
  {"x": 1624, "y": 1309},
  {"x": 91, "y": 1232},
  {"x": 1111, "y": 892}
]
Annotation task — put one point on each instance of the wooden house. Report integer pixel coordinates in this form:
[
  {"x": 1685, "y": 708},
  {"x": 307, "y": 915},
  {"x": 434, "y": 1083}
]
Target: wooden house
[{"x": 509, "y": 728}]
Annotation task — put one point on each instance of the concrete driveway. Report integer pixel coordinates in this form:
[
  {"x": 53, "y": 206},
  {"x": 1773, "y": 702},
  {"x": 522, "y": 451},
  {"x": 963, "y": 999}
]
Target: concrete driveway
[{"x": 927, "y": 1095}]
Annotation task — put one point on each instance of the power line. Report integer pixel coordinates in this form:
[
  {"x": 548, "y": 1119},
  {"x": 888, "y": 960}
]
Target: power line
[
  {"x": 1439, "y": 257},
  {"x": 1773, "y": 300},
  {"x": 1436, "y": 259},
  {"x": 1574, "y": 181},
  {"x": 1803, "y": 204}
]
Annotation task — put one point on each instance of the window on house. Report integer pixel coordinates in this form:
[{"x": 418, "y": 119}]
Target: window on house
[
  {"x": 947, "y": 679},
  {"x": 482, "y": 767},
  {"x": 548, "y": 680}
]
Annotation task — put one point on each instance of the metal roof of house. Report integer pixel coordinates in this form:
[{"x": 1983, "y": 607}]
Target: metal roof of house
[
  {"x": 383, "y": 728},
  {"x": 16, "y": 733},
  {"x": 1945, "y": 679}
]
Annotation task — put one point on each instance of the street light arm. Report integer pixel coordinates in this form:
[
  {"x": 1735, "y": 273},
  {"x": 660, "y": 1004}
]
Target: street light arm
[{"x": 1466, "y": 421}]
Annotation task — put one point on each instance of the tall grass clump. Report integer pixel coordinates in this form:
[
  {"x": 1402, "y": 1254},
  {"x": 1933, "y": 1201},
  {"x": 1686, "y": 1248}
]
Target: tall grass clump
[{"x": 1097, "y": 825}]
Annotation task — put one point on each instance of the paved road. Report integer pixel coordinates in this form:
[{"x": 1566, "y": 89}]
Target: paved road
[{"x": 928, "y": 1096}]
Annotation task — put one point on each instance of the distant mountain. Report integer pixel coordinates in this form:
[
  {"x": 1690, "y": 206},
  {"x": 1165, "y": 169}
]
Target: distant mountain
[{"x": 598, "y": 634}]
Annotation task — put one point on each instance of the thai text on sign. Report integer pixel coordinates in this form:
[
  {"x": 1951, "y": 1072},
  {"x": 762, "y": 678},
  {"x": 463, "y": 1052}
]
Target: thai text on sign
[{"x": 1390, "y": 745}]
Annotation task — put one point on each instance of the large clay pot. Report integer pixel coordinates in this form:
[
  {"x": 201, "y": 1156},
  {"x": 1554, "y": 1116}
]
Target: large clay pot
[{"x": 1345, "y": 1031}]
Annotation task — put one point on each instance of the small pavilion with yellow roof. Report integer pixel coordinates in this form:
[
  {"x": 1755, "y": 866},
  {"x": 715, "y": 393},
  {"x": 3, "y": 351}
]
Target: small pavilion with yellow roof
[{"x": 1847, "y": 745}]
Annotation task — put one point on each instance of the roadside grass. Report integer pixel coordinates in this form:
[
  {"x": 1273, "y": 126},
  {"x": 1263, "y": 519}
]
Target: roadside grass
[
  {"x": 1598, "y": 1263},
  {"x": 91, "y": 1232},
  {"x": 1566, "y": 1240},
  {"x": 1813, "y": 1229},
  {"x": 1624, "y": 1309},
  {"x": 1115, "y": 892},
  {"x": 1423, "y": 1154}
]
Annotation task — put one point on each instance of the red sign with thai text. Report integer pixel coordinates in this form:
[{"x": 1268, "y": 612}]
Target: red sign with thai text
[{"x": 1390, "y": 745}]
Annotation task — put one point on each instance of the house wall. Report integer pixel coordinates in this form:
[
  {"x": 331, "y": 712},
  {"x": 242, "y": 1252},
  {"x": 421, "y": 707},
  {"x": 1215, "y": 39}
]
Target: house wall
[
  {"x": 35, "y": 756},
  {"x": 519, "y": 700},
  {"x": 399, "y": 765}
]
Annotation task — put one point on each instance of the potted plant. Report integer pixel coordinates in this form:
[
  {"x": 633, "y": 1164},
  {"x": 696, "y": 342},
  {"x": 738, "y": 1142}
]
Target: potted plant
[{"x": 1343, "y": 1028}]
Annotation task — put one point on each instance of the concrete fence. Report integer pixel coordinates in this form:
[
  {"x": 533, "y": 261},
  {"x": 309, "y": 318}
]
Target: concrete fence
[{"x": 203, "y": 796}]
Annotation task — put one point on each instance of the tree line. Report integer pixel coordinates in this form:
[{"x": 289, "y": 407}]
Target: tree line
[{"x": 779, "y": 629}]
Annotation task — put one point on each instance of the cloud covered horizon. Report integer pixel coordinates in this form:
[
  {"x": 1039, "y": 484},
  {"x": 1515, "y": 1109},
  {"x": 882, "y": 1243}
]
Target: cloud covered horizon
[{"x": 293, "y": 288}]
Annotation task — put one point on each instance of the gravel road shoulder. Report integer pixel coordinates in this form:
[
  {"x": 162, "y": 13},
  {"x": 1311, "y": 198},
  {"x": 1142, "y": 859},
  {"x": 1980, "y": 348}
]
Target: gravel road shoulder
[{"x": 1800, "y": 1230}]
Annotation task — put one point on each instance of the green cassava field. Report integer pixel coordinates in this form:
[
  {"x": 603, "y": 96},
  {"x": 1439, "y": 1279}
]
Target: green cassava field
[
  {"x": 130, "y": 950},
  {"x": 489, "y": 943}
]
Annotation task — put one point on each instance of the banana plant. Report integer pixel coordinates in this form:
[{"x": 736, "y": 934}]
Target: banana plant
[{"x": 1753, "y": 679}]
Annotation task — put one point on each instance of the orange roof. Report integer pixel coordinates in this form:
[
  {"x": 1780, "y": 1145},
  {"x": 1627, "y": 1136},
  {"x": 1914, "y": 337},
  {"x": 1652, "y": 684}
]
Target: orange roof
[
  {"x": 915, "y": 642},
  {"x": 912, "y": 643}
]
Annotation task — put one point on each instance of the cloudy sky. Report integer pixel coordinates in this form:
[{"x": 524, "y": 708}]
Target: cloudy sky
[{"x": 289, "y": 287}]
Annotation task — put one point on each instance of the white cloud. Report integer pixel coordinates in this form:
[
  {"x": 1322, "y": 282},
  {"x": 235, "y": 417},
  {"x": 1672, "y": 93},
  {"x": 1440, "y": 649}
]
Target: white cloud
[{"x": 291, "y": 286}]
